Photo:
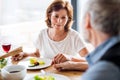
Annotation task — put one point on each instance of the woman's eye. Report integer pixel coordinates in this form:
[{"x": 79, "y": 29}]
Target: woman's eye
[
  {"x": 63, "y": 17},
  {"x": 56, "y": 16}
]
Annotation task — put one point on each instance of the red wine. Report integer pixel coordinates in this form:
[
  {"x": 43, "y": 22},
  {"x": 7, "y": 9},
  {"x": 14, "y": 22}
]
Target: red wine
[{"x": 6, "y": 47}]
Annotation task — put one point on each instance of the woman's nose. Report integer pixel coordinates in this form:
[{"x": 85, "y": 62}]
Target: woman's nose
[{"x": 59, "y": 20}]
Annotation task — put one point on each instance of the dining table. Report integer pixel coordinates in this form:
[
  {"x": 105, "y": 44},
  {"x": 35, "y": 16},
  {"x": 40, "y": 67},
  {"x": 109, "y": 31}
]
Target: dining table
[{"x": 71, "y": 74}]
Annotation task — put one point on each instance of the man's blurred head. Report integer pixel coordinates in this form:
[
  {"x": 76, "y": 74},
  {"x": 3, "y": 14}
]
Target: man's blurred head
[{"x": 102, "y": 16}]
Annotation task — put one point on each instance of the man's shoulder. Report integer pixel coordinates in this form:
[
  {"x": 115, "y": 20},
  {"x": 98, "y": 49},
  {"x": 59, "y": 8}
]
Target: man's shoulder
[
  {"x": 102, "y": 70},
  {"x": 113, "y": 55},
  {"x": 105, "y": 66}
]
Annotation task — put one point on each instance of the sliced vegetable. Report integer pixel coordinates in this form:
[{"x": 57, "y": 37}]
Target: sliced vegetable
[
  {"x": 41, "y": 62},
  {"x": 37, "y": 77},
  {"x": 35, "y": 62},
  {"x": 3, "y": 62}
]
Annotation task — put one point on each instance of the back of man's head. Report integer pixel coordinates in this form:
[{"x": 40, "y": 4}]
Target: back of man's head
[{"x": 105, "y": 16}]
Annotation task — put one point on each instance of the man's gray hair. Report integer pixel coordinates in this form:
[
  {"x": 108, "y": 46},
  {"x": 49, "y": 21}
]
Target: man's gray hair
[{"x": 105, "y": 15}]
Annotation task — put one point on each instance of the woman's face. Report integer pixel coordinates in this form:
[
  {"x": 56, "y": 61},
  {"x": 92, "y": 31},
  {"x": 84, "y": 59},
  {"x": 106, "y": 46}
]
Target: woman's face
[{"x": 59, "y": 19}]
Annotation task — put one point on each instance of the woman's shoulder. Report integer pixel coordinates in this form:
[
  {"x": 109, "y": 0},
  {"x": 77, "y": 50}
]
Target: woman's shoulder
[
  {"x": 43, "y": 31},
  {"x": 73, "y": 32}
]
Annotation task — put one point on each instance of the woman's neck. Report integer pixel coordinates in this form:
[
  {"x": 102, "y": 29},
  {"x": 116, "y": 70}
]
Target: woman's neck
[{"x": 56, "y": 35}]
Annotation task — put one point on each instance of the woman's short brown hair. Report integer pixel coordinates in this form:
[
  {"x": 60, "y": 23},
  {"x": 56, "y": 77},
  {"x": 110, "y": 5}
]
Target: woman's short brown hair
[{"x": 56, "y": 5}]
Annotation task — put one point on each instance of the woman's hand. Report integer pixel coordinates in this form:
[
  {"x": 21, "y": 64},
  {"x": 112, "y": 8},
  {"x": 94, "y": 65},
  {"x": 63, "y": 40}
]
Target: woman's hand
[
  {"x": 22, "y": 55},
  {"x": 19, "y": 56},
  {"x": 60, "y": 58},
  {"x": 63, "y": 66}
]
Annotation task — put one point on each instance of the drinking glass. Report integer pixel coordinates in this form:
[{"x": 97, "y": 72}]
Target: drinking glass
[{"x": 6, "y": 45}]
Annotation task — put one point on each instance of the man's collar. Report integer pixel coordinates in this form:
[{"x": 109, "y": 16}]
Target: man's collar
[{"x": 94, "y": 56}]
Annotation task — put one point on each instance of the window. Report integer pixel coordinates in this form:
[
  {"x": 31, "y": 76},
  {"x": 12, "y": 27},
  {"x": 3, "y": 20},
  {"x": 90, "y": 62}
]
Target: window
[{"x": 15, "y": 11}]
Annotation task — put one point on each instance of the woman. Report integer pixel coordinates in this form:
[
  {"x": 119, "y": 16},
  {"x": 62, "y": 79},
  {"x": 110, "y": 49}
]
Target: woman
[{"x": 58, "y": 42}]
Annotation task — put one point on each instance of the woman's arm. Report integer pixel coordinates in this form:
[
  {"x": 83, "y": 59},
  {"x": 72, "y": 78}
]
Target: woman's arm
[
  {"x": 71, "y": 65},
  {"x": 74, "y": 63},
  {"x": 59, "y": 58},
  {"x": 82, "y": 53},
  {"x": 35, "y": 54},
  {"x": 23, "y": 55}
]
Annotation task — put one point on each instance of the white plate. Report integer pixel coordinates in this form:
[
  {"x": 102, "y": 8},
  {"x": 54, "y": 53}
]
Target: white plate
[
  {"x": 26, "y": 63},
  {"x": 56, "y": 76}
]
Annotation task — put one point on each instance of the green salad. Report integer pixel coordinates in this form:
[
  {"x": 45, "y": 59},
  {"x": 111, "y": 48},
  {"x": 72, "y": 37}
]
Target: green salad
[
  {"x": 3, "y": 62},
  {"x": 46, "y": 77}
]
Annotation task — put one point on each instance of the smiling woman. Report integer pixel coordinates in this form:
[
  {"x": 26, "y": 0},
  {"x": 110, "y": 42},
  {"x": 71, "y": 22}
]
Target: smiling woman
[
  {"x": 25, "y": 18},
  {"x": 58, "y": 41}
]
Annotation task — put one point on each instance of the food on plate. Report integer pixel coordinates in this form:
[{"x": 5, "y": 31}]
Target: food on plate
[
  {"x": 35, "y": 62},
  {"x": 45, "y": 77},
  {"x": 3, "y": 62}
]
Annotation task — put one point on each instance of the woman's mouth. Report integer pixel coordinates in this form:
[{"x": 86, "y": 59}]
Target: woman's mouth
[{"x": 58, "y": 25}]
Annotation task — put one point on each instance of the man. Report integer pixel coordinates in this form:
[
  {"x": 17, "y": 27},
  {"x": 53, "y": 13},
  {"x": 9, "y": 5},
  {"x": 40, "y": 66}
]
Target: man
[{"x": 101, "y": 27}]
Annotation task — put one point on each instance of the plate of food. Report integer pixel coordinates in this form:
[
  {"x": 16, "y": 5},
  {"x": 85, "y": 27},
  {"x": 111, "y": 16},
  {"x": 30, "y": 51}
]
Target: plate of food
[
  {"x": 35, "y": 63},
  {"x": 47, "y": 76}
]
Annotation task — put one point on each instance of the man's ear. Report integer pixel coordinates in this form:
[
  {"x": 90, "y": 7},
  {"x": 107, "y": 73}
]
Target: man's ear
[{"x": 87, "y": 22}]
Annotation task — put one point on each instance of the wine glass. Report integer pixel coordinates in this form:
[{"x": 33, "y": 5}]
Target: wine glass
[
  {"x": 4, "y": 61},
  {"x": 6, "y": 45}
]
